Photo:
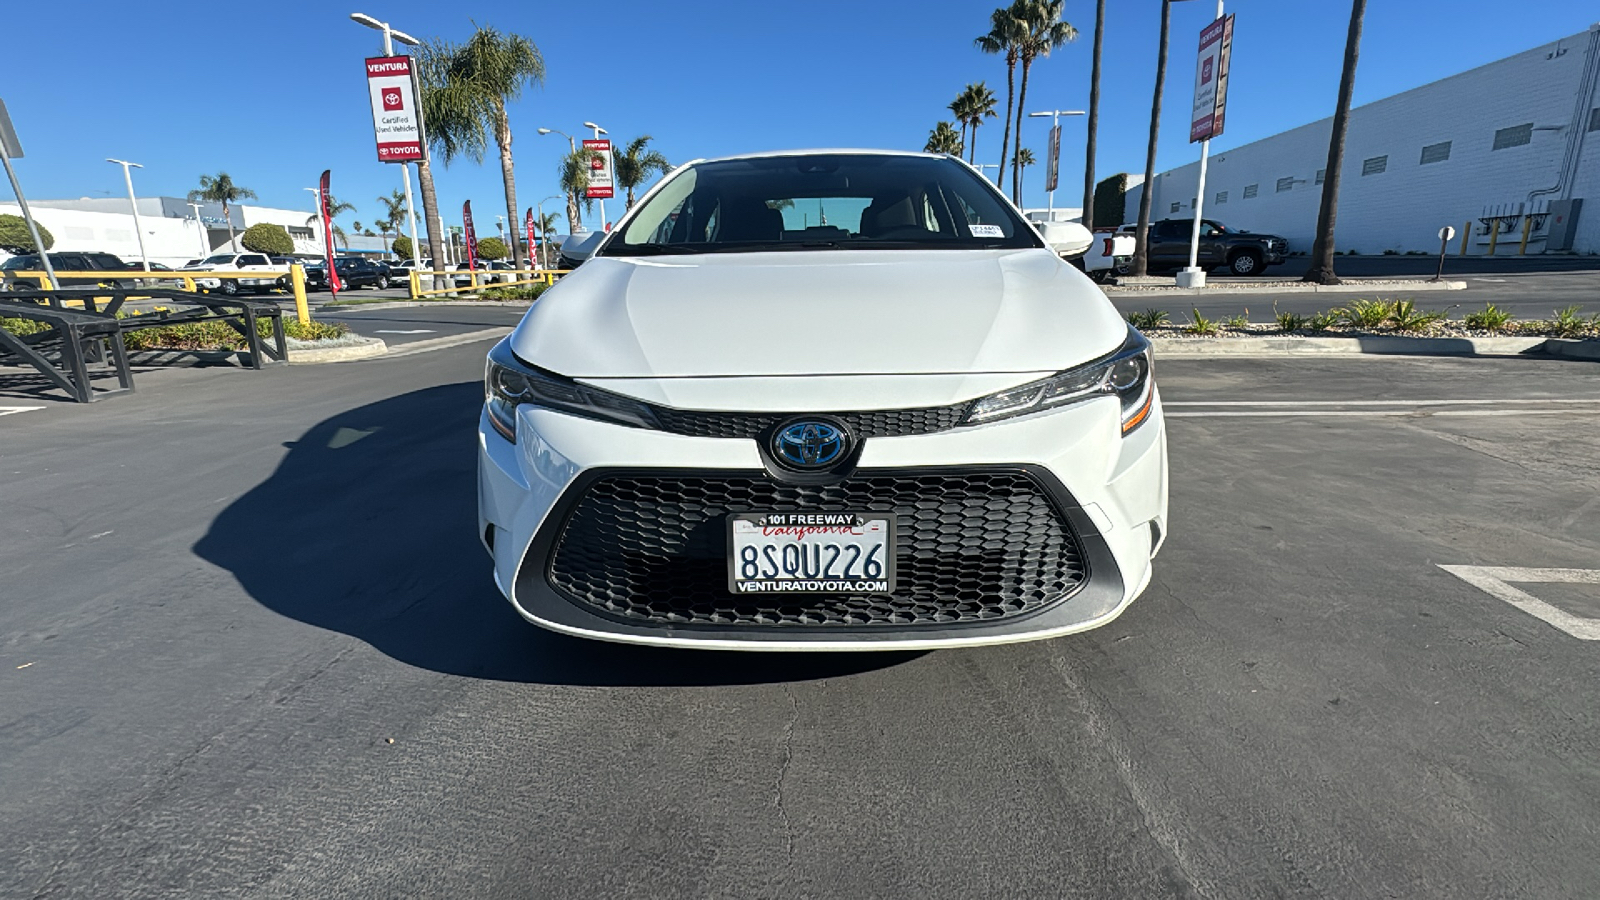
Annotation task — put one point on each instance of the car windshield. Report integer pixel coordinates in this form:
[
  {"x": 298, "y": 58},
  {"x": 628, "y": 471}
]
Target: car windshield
[
  {"x": 21, "y": 262},
  {"x": 217, "y": 260},
  {"x": 822, "y": 202},
  {"x": 1217, "y": 227}
]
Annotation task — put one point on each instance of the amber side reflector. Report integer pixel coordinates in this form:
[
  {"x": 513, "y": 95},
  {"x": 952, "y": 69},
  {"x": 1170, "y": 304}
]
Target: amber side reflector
[{"x": 1141, "y": 415}]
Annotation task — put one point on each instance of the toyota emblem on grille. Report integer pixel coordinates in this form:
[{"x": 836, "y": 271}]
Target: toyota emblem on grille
[{"x": 809, "y": 444}]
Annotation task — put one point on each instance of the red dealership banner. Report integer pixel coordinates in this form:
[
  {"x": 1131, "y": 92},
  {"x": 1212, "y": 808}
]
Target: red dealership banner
[
  {"x": 600, "y": 181},
  {"x": 396, "y": 118},
  {"x": 528, "y": 222},
  {"x": 327, "y": 230},
  {"x": 1211, "y": 80},
  {"x": 472, "y": 237}
]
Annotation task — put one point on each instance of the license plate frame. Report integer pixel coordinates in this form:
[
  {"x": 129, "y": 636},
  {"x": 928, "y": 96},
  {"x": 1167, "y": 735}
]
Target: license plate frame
[{"x": 868, "y": 527}]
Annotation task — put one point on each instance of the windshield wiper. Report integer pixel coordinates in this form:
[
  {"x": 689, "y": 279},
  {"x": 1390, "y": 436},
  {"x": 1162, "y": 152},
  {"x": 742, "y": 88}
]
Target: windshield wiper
[{"x": 652, "y": 249}]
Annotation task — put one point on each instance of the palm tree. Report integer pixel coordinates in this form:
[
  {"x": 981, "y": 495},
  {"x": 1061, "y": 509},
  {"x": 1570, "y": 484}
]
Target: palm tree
[
  {"x": 982, "y": 108},
  {"x": 1321, "y": 270},
  {"x": 546, "y": 225},
  {"x": 943, "y": 139},
  {"x": 1141, "y": 248},
  {"x": 474, "y": 82},
  {"x": 221, "y": 189},
  {"x": 961, "y": 108},
  {"x": 1005, "y": 32},
  {"x": 394, "y": 213},
  {"x": 336, "y": 208},
  {"x": 1024, "y": 159},
  {"x": 633, "y": 164},
  {"x": 383, "y": 231},
  {"x": 575, "y": 184},
  {"x": 1043, "y": 31},
  {"x": 1094, "y": 118}
]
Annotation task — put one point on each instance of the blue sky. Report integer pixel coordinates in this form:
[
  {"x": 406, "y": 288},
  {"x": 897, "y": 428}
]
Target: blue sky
[{"x": 274, "y": 96}]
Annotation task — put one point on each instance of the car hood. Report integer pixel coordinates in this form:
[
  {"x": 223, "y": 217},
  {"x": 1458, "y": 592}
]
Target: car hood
[{"x": 847, "y": 312}]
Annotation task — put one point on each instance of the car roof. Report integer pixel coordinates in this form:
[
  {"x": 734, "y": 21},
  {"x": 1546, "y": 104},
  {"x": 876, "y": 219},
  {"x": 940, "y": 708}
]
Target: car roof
[{"x": 845, "y": 151}]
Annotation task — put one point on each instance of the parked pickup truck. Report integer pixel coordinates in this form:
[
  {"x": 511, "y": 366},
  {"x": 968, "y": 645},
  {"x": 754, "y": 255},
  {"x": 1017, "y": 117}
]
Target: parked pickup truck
[
  {"x": 238, "y": 262},
  {"x": 1097, "y": 253},
  {"x": 1221, "y": 247}
]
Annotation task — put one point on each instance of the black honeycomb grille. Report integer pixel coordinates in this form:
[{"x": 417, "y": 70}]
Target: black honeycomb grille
[
  {"x": 863, "y": 425},
  {"x": 977, "y": 546}
]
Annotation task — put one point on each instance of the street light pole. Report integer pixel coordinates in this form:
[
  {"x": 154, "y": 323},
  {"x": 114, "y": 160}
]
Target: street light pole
[
  {"x": 205, "y": 245},
  {"x": 322, "y": 232},
  {"x": 597, "y": 132},
  {"x": 544, "y": 235},
  {"x": 390, "y": 35},
  {"x": 138, "y": 228},
  {"x": 571, "y": 145},
  {"x": 1053, "y": 160}
]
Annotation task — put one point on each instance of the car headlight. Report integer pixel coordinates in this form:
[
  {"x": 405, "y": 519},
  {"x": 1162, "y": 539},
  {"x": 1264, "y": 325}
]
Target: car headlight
[
  {"x": 1125, "y": 374},
  {"x": 508, "y": 382}
]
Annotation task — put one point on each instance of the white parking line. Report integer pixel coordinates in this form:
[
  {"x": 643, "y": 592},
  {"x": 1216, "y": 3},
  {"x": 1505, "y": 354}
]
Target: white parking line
[
  {"x": 13, "y": 410},
  {"x": 440, "y": 343},
  {"x": 1492, "y": 580}
]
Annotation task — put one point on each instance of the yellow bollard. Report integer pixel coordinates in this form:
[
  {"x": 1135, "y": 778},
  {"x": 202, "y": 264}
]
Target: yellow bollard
[
  {"x": 1466, "y": 233},
  {"x": 1527, "y": 226},
  {"x": 416, "y": 284},
  {"x": 188, "y": 284},
  {"x": 297, "y": 278}
]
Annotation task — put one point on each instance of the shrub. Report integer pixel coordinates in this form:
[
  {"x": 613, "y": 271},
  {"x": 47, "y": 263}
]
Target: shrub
[
  {"x": 1150, "y": 318},
  {"x": 1367, "y": 313},
  {"x": 1239, "y": 321},
  {"x": 218, "y": 335},
  {"x": 14, "y": 236},
  {"x": 1391, "y": 252},
  {"x": 20, "y": 327},
  {"x": 402, "y": 247},
  {"x": 265, "y": 237},
  {"x": 1406, "y": 317},
  {"x": 1288, "y": 321},
  {"x": 1323, "y": 321},
  {"x": 1490, "y": 318},
  {"x": 492, "y": 249},
  {"x": 1567, "y": 323},
  {"x": 516, "y": 292},
  {"x": 1200, "y": 325}
]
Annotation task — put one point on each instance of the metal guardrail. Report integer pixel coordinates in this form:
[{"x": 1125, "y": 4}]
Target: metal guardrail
[
  {"x": 536, "y": 276},
  {"x": 18, "y": 280}
]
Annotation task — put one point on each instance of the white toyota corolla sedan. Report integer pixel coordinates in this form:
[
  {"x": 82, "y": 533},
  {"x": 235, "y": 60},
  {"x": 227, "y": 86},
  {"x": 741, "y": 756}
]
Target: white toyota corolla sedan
[{"x": 823, "y": 400}]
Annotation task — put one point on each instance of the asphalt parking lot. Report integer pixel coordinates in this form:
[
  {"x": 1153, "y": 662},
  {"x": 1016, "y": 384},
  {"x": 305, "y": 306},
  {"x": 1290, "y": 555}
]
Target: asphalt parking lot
[{"x": 250, "y": 646}]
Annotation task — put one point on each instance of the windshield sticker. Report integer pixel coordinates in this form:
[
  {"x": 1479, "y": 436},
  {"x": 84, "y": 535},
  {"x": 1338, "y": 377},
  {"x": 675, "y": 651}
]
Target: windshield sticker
[{"x": 988, "y": 231}]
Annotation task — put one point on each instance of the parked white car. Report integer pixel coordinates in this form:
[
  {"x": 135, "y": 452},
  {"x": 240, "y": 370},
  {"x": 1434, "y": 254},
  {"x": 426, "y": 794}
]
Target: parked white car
[
  {"x": 238, "y": 262},
  {"x": 828, "y": 400}
]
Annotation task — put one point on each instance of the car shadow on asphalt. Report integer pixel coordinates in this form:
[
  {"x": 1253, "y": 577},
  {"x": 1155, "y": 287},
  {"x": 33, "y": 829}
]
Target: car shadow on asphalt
[{"x": 367, "y": 528}]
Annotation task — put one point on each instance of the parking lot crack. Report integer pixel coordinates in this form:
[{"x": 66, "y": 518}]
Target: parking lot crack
[{"x": 783, "y": 772}]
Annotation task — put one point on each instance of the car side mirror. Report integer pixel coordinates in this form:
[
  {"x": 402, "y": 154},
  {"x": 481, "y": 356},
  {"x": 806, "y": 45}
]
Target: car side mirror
[
  {"x": 1067, "y": 239},
  {"x": 580, "y": 247}
]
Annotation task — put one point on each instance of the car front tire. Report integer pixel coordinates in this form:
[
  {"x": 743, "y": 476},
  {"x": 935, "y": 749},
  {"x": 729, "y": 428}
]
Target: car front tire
[
  {"x": 1246, "y": 262},
  {"x": 383, "y": 282}
]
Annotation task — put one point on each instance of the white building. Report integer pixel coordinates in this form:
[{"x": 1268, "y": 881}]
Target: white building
[
  {"x": 173, "y": 232},
  {"x": 1516, "y": 138}
]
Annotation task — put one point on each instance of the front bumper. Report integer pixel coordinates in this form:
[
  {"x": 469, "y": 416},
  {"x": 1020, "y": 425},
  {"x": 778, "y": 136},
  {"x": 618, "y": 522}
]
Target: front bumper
[{"x": 1107, "y": 494}]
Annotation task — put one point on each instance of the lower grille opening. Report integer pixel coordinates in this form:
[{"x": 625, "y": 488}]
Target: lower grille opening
[{"x": 972, "y": 546}]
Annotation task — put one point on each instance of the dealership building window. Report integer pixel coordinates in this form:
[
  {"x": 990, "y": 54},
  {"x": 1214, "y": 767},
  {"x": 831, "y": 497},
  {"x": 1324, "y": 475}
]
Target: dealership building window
[
  {"x": 1222, "y": 197},
  {"x": 1322, "y": 175},
  {"x": 1176, "y": 206},
  {"x": 1515, "y": 136},
  {"x": 1436, "y": 152},
  {"x": 1285, "y": 184},
  {"x": 1377, "y": 165},
  {"x": 1250, "y": 190}
]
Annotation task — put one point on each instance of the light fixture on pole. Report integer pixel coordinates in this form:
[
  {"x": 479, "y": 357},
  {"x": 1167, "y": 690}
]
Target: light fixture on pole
[
  {"x": 571, "y": 145},
  {"x": 391, "y": 35},
  {"x": 1053, "y": 155},
  {"x": 138, "y": 229},
  {"x": 597, "y": 132}
]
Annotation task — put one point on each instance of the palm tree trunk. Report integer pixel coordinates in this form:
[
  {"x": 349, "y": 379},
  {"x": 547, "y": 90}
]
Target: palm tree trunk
[
  {"x": 572, "y": 214},
  {"x": 502, "y": 136},
  {"x": 233, "y": 242},
  {"x": 1141, "y": 250},
  {"x": 1016, "y": 169},
  {"x": 1094, "y": 118},
  {"x": 430, "y": 212},
  {"x": 1321, "y": 270},
  {"x": 1005, "y": 140},
  {"x": 972, "y": 149},
  {"x": 630, "y": 199}
]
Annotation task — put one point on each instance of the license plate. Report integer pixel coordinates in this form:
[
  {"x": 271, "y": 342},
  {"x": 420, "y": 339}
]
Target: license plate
[{"x": 811, "y": 553}]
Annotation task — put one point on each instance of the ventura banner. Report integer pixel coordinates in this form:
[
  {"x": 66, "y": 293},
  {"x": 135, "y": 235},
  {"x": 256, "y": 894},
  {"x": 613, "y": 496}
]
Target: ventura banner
[
  {"x": 327, "y": 231},
  {"x": 1211, "y": 80},
  {"x": 396, "y": 119},
  {"x": 600, "y": 181}
]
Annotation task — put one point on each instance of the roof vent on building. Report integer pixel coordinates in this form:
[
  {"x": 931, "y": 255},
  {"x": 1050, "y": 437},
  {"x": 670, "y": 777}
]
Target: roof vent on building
[
  {"x": 1250, "y": 190},
  {"x": 1515, "y": 136},
  {"x": 1434, "y": 153},
  {"x": 1377, "y": 165}
]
